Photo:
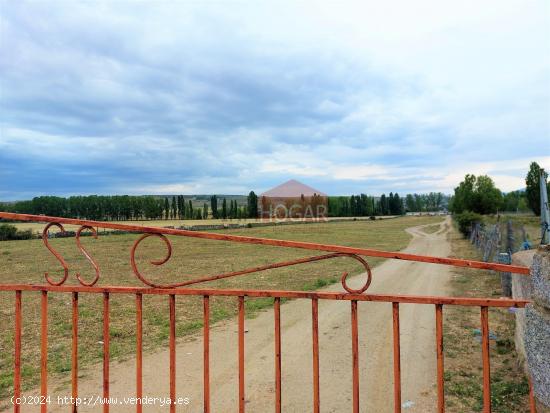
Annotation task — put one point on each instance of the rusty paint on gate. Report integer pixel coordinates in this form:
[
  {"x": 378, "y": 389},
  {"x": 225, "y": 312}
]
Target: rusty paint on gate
[
  {"x": 274, "y": 242},
  {"x": 396, "y": 359},
  {"x": 355, "y": 296}
]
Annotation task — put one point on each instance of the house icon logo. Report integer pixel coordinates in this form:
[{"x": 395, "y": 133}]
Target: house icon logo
[{"x": 293, "y": 201}]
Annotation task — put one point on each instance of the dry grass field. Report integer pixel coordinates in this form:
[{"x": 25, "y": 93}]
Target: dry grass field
[
  {"x": 462, "y": 346},
  {"x": 26, "y": 261},
  {"x": 37, "y": 227}
]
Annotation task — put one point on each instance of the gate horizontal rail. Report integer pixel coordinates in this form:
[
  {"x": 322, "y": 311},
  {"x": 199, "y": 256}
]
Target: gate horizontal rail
[
  {"x": 398, "y": 298},
  {"x": 274, "y": 242},
  {"x": 174, "y": 290},
  {"x": 241, "y": 295}
]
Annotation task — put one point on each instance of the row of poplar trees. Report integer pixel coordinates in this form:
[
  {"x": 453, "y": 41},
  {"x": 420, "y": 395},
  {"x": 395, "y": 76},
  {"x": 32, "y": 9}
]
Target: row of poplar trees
[
  {"x": 364, "y": 205},
  {"x": 234, "y": 211},
  {"x": 127, "y": 207}
]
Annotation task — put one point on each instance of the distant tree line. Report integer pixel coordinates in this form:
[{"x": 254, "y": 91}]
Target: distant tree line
[
  {"x": 392, "y": 204},
  {"x": 108, "y": 208},
  {"x": 231, "y": 211},
  {"x": 349, "y": 206},
  {"x": 480, "y": 195},
  {"x": 430, "y": 202},
  {"x": 126, "y": 207},
  {"x": 475, "y": 194},
  {"x": 365, "y": 205}
]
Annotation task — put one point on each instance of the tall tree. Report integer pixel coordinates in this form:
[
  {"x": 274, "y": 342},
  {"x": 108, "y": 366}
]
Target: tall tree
[
  {"x": 205, "y": 211},
  {"x": 190, "y": 210},
  {"x": 174, "y": 208},
  {"x": 488, "y": 198},
  {"x": 532, "y": 190},
  {"x": 383, "y": 205},
  {"x": 397, "y": 205},
  {"x": 477, "y": 195},
  {"x": 515, "y": 201},
  {"x": 214, "y": 206},
  {"x": 224, "y": 209},
  {"x": 391, "y": 205},
  {"x": 463, "y": 198},
  {"x": 183, "y": 208},
  {"x": 166, "y": 208},
  {"x": 252, "y": 205},
  {"x": 420, "y": 202},
  {"x": 410, "y": 203}
]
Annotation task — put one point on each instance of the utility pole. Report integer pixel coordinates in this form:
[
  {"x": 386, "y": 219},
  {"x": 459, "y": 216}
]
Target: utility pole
[{"x": 544, "y": 210}]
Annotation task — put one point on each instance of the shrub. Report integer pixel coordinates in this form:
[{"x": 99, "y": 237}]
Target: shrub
[
  {"x": 465, "y": 220},
  {"x": 9, "y": 232},
  {"x": 24, "y": 234}
]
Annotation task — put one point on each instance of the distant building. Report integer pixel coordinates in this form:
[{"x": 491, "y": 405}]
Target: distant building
[{"x": 294, "y": 200}]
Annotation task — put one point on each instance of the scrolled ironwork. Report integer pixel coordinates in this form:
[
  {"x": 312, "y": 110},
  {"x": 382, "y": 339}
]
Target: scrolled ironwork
[
  {"x": 87, "y": 255},
  {"x": 368, "y": 272},
  {"x": 45, "y": 237},
  {"x": 144, "y": 279},
  {"x": 154, "y": 262}
]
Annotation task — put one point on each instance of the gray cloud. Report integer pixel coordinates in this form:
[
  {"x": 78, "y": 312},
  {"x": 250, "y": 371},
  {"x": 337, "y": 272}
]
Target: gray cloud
[{"x": 105, "y": 97}]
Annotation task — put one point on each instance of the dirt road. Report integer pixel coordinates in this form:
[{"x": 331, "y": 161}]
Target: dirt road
[{"x": 375, "y": 346}]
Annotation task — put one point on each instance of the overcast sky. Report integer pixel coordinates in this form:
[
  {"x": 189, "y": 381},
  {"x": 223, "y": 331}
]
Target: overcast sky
[{"x": 227, "y": 97}]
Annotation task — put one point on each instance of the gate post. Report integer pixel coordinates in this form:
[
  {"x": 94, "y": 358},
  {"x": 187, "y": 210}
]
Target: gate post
[{"x": 536, "y": 335}]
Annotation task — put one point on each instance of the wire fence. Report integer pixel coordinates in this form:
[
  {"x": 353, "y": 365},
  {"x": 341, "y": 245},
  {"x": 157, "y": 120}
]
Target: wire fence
[{"x": 497, "y": 242}]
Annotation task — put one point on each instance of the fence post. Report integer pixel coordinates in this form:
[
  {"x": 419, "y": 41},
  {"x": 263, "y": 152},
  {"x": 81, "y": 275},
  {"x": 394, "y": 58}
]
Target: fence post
[
  {"x": 537, "y": 329},
  {"x": 505, "y": 277},
  {"x": 510, "y": 239}
]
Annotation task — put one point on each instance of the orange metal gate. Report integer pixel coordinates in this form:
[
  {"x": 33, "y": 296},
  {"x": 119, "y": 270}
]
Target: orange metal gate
[{"x": 174, "y": 290}]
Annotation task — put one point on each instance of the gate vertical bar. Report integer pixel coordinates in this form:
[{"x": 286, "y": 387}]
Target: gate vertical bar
[
  {"x": 241, "y": 354},
  {"x": 44, "y": 350},
  {"x": 440, "y": 365},
  {"x": 206, "y": 353},
  {"x": 139, "y": 352},
  {"x": 315, "y": 341},
  {"x": 17, "y": 354},
  {"x": 486, "y": 362},
  {"x": 396, "y": 359},
  {"x": 172, "y": 301},
  {"x": 277, "y": 313},
  {"x": 355, "y": 355},
  {"x": 106, "y": 352},
  {"x": 74, "y": 353}
]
